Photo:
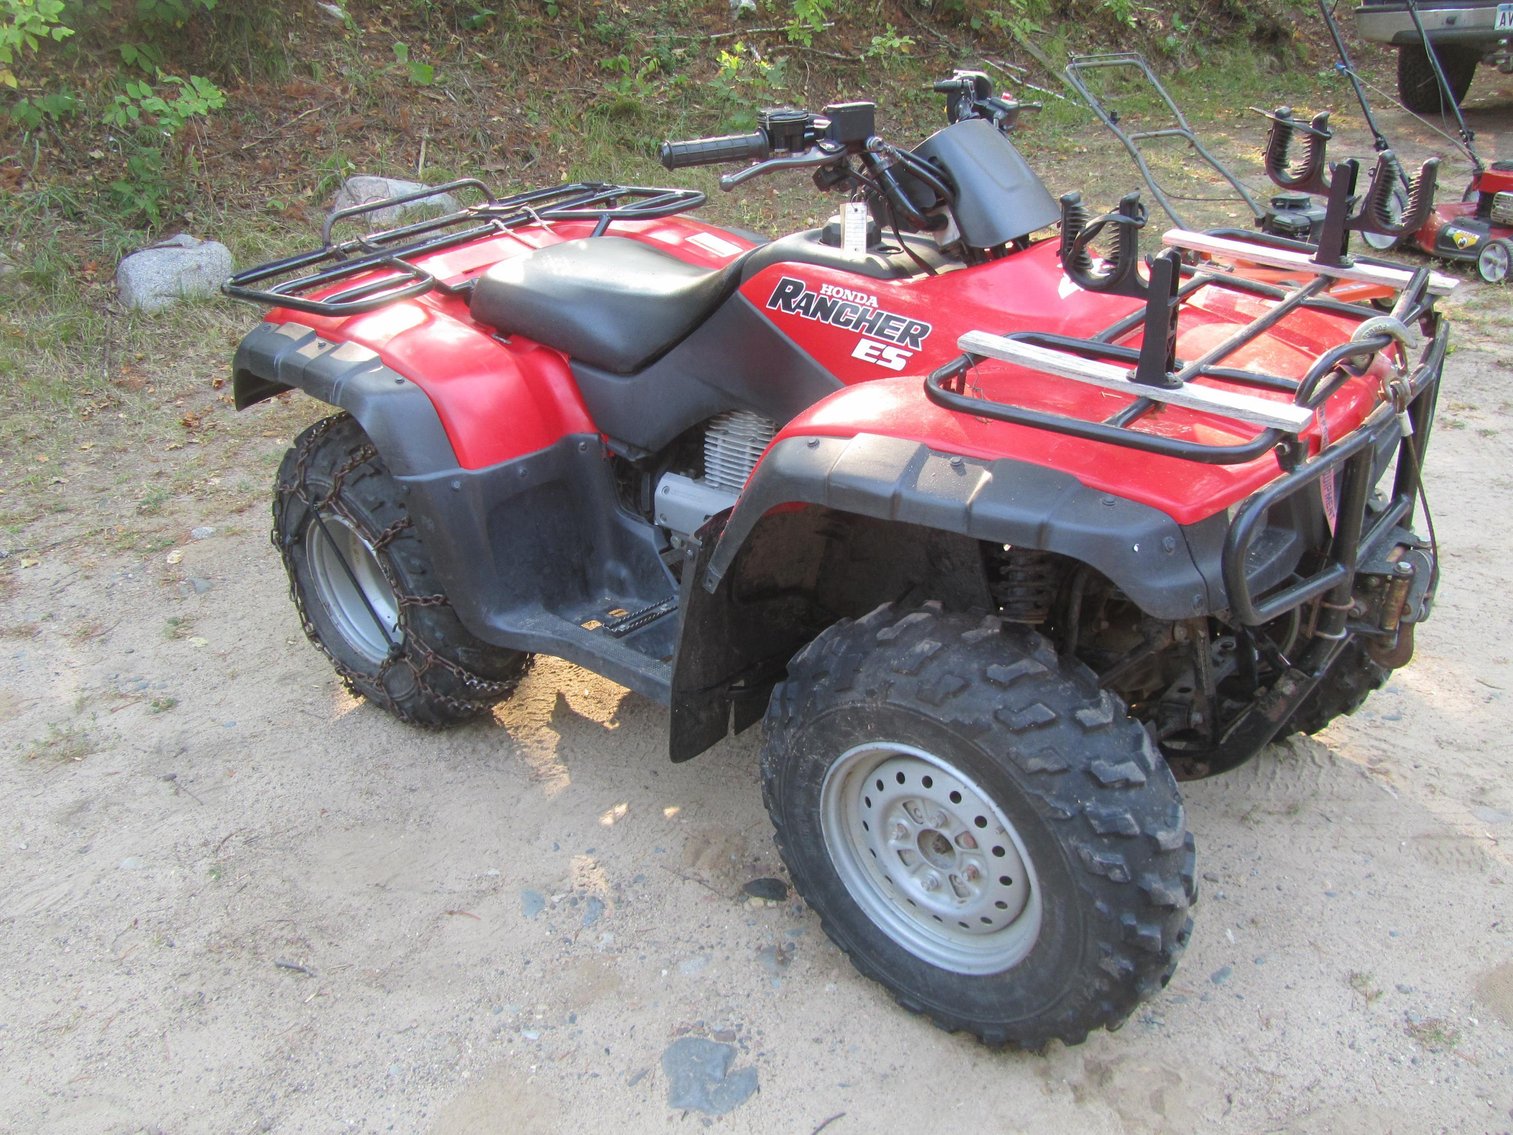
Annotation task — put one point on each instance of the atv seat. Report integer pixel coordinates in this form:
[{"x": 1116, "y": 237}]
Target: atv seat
[{"x": 611, "y": 302}]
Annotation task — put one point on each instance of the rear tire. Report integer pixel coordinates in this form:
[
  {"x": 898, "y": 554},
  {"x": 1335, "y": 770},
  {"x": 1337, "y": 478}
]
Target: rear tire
[
  {"x": 979, "y": 827},
  {"x": 365, "y": 589},
  {"x": 1416, "y": 82}
]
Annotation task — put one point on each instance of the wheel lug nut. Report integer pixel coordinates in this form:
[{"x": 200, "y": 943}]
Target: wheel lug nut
[
  {"x": 900, "y": 831},
  {"x": 941, "y": 820},
  {"x": 930, "y": 882}
]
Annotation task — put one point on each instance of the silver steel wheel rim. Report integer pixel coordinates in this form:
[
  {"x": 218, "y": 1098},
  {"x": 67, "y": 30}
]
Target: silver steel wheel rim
[
  {"x": 1493, "y": 263},
  {"x": 352, "y": 599},
  {"x": 930, "y": 859}
]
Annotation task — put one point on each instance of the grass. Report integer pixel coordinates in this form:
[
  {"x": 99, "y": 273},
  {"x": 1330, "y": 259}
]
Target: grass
[
  {"x": 1433, "y": 1034},
  {"x": 178, "y": 626},
  {"x": 93, "y": 395},
  {"x": 63, "y": 744},
  {"x": 1364, "y": 984}
]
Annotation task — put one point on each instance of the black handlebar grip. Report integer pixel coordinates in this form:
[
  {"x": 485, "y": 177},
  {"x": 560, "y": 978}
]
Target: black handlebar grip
[{"x": 714, "y": 151}]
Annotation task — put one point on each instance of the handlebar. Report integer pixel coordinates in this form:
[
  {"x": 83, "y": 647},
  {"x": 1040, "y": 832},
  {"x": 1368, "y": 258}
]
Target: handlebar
[{"x": 714, "y": 151}]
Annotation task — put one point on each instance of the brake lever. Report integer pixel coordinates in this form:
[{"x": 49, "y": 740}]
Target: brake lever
[{"x": 816, "y": 156}]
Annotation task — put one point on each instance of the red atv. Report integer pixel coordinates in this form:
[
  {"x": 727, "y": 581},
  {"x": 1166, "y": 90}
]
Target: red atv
[{"x": 986, "y": 603}]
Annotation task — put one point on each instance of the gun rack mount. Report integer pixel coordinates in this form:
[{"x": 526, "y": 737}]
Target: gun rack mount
[{"x": 1153, "y": 376}]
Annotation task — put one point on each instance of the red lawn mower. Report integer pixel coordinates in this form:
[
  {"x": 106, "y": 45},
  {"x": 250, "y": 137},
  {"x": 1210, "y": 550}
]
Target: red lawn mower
[{"x": 1477, "y": 228}]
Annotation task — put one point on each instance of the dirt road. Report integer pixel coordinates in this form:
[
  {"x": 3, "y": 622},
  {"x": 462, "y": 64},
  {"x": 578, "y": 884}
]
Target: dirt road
[{"x": 233, "y": 899}]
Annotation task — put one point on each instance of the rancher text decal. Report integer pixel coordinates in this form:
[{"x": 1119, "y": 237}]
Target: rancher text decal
[{"x": 853, "y": 311}]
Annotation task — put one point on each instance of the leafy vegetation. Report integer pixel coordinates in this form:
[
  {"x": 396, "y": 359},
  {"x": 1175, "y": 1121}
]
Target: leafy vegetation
[{"x": 121, "y": 120}]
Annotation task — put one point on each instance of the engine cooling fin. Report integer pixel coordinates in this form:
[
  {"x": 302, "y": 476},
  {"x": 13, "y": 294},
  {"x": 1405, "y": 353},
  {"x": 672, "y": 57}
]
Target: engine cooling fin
[{"x": 733, "y": 444}]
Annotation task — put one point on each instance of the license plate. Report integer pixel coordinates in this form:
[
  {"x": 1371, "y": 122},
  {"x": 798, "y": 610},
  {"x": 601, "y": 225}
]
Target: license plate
[{"x": 1504, "y": 18}]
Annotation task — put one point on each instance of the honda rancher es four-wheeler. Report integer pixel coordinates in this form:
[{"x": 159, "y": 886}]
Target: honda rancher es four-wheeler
[{"x": 998, "y": 537}]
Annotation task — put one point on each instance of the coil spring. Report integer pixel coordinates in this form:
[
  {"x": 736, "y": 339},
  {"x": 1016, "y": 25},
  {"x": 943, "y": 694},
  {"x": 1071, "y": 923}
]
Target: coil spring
[{"x": 1024, "y": 582}]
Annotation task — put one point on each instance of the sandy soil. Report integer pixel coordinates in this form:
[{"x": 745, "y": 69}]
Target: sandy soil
[{"x": 233, "y": 899}]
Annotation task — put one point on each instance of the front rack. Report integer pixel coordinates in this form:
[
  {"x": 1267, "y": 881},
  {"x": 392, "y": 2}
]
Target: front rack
[
  {"x": 389, "y": 252},
  {"x": 1153, "y": 375}
]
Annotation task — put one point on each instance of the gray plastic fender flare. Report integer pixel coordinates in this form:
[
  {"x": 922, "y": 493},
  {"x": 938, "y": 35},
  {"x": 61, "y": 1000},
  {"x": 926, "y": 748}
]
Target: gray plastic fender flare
[
  {"x": 1148, "y": 555},
  {"x": 394, "y": 412}
]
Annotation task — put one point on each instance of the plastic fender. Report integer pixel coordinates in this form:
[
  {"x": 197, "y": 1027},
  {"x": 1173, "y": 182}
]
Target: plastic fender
[
  {"x": 882, "y": 450},
  {"x": 862, "y": 330},
  {"x": 394, "y": 412},
  {"x": 489, "y": 401},
  {"x": 1185, "y": 491},
  {"x": 496, "y": 399}
]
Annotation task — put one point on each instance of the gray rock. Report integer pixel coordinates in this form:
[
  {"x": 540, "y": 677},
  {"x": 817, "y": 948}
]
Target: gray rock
[
  {"x": 699, "y": 1076},
  {"x": 776, "y": 959},
  {"x": 593, "y": 910},
  {"x": 772, "y": 890},
  {"x": 532, "y": 903},
  {"x": 1220, "y": 975},
  {"x": 133, "y": 863},
  {"x": 176, "y": 269},
  {"x": 204, "y": 532},
  {"x": 362, "y": 189}
]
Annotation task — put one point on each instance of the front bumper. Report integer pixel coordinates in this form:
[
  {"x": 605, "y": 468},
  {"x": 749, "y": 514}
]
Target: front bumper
[{"x": 1472, "y": 22}]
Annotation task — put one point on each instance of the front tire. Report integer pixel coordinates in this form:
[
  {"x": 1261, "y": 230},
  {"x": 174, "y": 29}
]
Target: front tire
[
  {"x": 1350, "y": 680},
  {"x": 366, "y": 592},
  {"x": 979, "y": 827}
]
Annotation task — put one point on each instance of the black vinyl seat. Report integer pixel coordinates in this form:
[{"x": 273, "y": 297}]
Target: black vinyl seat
[{"x": 608, "y": 301}]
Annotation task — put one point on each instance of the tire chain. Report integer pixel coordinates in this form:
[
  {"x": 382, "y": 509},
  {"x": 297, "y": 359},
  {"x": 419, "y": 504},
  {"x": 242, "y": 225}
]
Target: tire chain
[{"x": 489, "y": 691}]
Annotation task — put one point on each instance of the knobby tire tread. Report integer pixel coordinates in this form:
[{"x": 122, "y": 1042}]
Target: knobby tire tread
[
  {"x": 1121, "y": 813},
  {"x": 441, "y": 675}
]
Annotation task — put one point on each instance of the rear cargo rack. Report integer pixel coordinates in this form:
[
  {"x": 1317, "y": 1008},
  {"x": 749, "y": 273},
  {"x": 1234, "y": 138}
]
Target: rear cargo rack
[
  {"x": 1154, "y": 376},
  {"x": 386, "y": 254}
]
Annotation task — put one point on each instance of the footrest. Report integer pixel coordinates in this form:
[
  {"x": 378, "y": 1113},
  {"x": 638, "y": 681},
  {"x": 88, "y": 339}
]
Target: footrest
[{"x": 632, "y": 621}]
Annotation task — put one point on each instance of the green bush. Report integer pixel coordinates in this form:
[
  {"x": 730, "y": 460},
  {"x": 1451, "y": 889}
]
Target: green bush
[{"x": 145, "y": 113}]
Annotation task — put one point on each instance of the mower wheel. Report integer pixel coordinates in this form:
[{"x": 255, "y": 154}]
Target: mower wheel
[
  {"x": 1494, "y": 259},
  {"x": 1417, "y": 85},
  {"x": 365, "y": 589},
  {"x": 1386, "y": 242},
  {"x": 979, "y": 827}
]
